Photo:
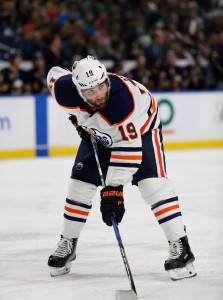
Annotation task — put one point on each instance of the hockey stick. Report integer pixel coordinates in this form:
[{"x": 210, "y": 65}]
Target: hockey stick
[
  {"x": 131, "y": 294},
  {"x": 120, "y": 294}
]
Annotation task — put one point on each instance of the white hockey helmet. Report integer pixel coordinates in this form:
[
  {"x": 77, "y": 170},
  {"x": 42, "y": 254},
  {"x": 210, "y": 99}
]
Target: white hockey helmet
[{"x": 88, "y": 73}]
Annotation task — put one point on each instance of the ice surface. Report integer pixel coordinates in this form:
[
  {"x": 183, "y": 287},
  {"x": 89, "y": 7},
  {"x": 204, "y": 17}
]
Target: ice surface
[{"x": 32, "y": 193}]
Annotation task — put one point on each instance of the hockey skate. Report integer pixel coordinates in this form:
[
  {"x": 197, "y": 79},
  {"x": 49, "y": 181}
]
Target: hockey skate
[
  {"x": 60, "y": 261},
  {"x": 180, "y": 261}
]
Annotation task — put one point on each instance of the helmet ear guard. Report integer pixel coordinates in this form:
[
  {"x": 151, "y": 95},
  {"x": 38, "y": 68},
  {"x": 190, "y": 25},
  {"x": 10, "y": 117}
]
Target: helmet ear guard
[{"x": 88, "y": 73}]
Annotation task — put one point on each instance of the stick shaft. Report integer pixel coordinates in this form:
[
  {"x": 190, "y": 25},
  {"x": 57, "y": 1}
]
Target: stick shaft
[
  {"x": 95, "y": 148},
  {"x": 116, "y": 230},
  {"x": 123, "y": 254}
]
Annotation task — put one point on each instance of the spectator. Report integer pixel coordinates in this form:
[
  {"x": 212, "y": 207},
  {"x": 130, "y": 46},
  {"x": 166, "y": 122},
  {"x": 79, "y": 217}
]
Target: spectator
[
  {"x": 53, "y": 53},
  {"x": 170, "y": 76},
  {"x": 157, "y": 52},
  {"x": 13, "y": 78},
  {"x": 118, "y": 66},
  {"x": 37, "y": 75},
  {"x": 141, "y": 72},
  {"x": 217, "y": 61}
]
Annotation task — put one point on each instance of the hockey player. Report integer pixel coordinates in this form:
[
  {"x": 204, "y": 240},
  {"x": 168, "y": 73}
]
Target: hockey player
[{"x": 123, "y": 117}]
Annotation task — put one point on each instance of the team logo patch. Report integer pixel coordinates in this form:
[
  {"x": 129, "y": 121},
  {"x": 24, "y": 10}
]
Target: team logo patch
[
  {"x": 103, "y": 138},
  {"x": 79, "y": 166}
]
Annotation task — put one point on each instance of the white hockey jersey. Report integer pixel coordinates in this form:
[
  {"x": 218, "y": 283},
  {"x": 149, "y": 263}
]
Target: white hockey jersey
[{"x": 130, "y": 113}]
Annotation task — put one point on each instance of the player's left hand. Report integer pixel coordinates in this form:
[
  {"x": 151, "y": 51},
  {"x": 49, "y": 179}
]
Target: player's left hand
[
  {"x": 112, "y": 203},
  {"x": 83, "y": 134}
]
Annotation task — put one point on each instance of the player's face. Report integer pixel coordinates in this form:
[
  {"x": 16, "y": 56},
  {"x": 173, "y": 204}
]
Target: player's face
[{"x": 97, "y": 96}]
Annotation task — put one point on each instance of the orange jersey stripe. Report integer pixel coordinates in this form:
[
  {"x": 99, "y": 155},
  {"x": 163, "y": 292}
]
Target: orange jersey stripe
[
  {"x": 163, "y": 211},
  {"x": 76, "y": 211},
  {"x": 126, "y": 157},
  {"x": 142, "y": 130},
  {"x": 162, "y": 172}
]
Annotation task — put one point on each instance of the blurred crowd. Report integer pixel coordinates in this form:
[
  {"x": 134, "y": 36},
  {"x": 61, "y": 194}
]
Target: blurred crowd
[{"x": 176, "y": 45}]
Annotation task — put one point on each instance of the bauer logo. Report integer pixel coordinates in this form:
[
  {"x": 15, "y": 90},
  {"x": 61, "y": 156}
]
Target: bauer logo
[
  {"x": 101, "y": 137},
  {"x": 5, "y": 123}
]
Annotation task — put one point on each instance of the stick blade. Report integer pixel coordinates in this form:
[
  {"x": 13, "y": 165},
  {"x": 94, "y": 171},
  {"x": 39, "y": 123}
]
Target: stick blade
[{"x": 125, "y": 295}]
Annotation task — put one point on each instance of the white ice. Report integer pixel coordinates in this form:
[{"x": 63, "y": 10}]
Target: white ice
[{"x": 32, "y": 193}]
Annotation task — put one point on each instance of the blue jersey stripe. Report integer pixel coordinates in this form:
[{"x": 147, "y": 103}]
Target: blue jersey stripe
[
  {"x": 127, "y": 149},
  {"x": 164, "y": 202},
  {"x": 72, "y": 202},
  {"x": 74, "y": 218},
  {"x": 169, "y": 217},
  {"x": 125, "y": 165}
]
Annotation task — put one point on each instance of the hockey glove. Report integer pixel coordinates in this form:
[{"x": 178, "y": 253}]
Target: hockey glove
[
  {"x": 112, "y": 203},
  {"x": 83, "y": 134}
]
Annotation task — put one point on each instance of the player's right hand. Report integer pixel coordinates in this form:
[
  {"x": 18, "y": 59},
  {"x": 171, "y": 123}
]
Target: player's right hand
[{"x": 112, "y": 203}]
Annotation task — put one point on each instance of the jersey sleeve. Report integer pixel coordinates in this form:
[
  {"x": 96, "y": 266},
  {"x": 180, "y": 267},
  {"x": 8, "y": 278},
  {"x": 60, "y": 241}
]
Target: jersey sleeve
[
  {"x": 53, "y": 75},
  {"x": 64, "y": 91}
]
